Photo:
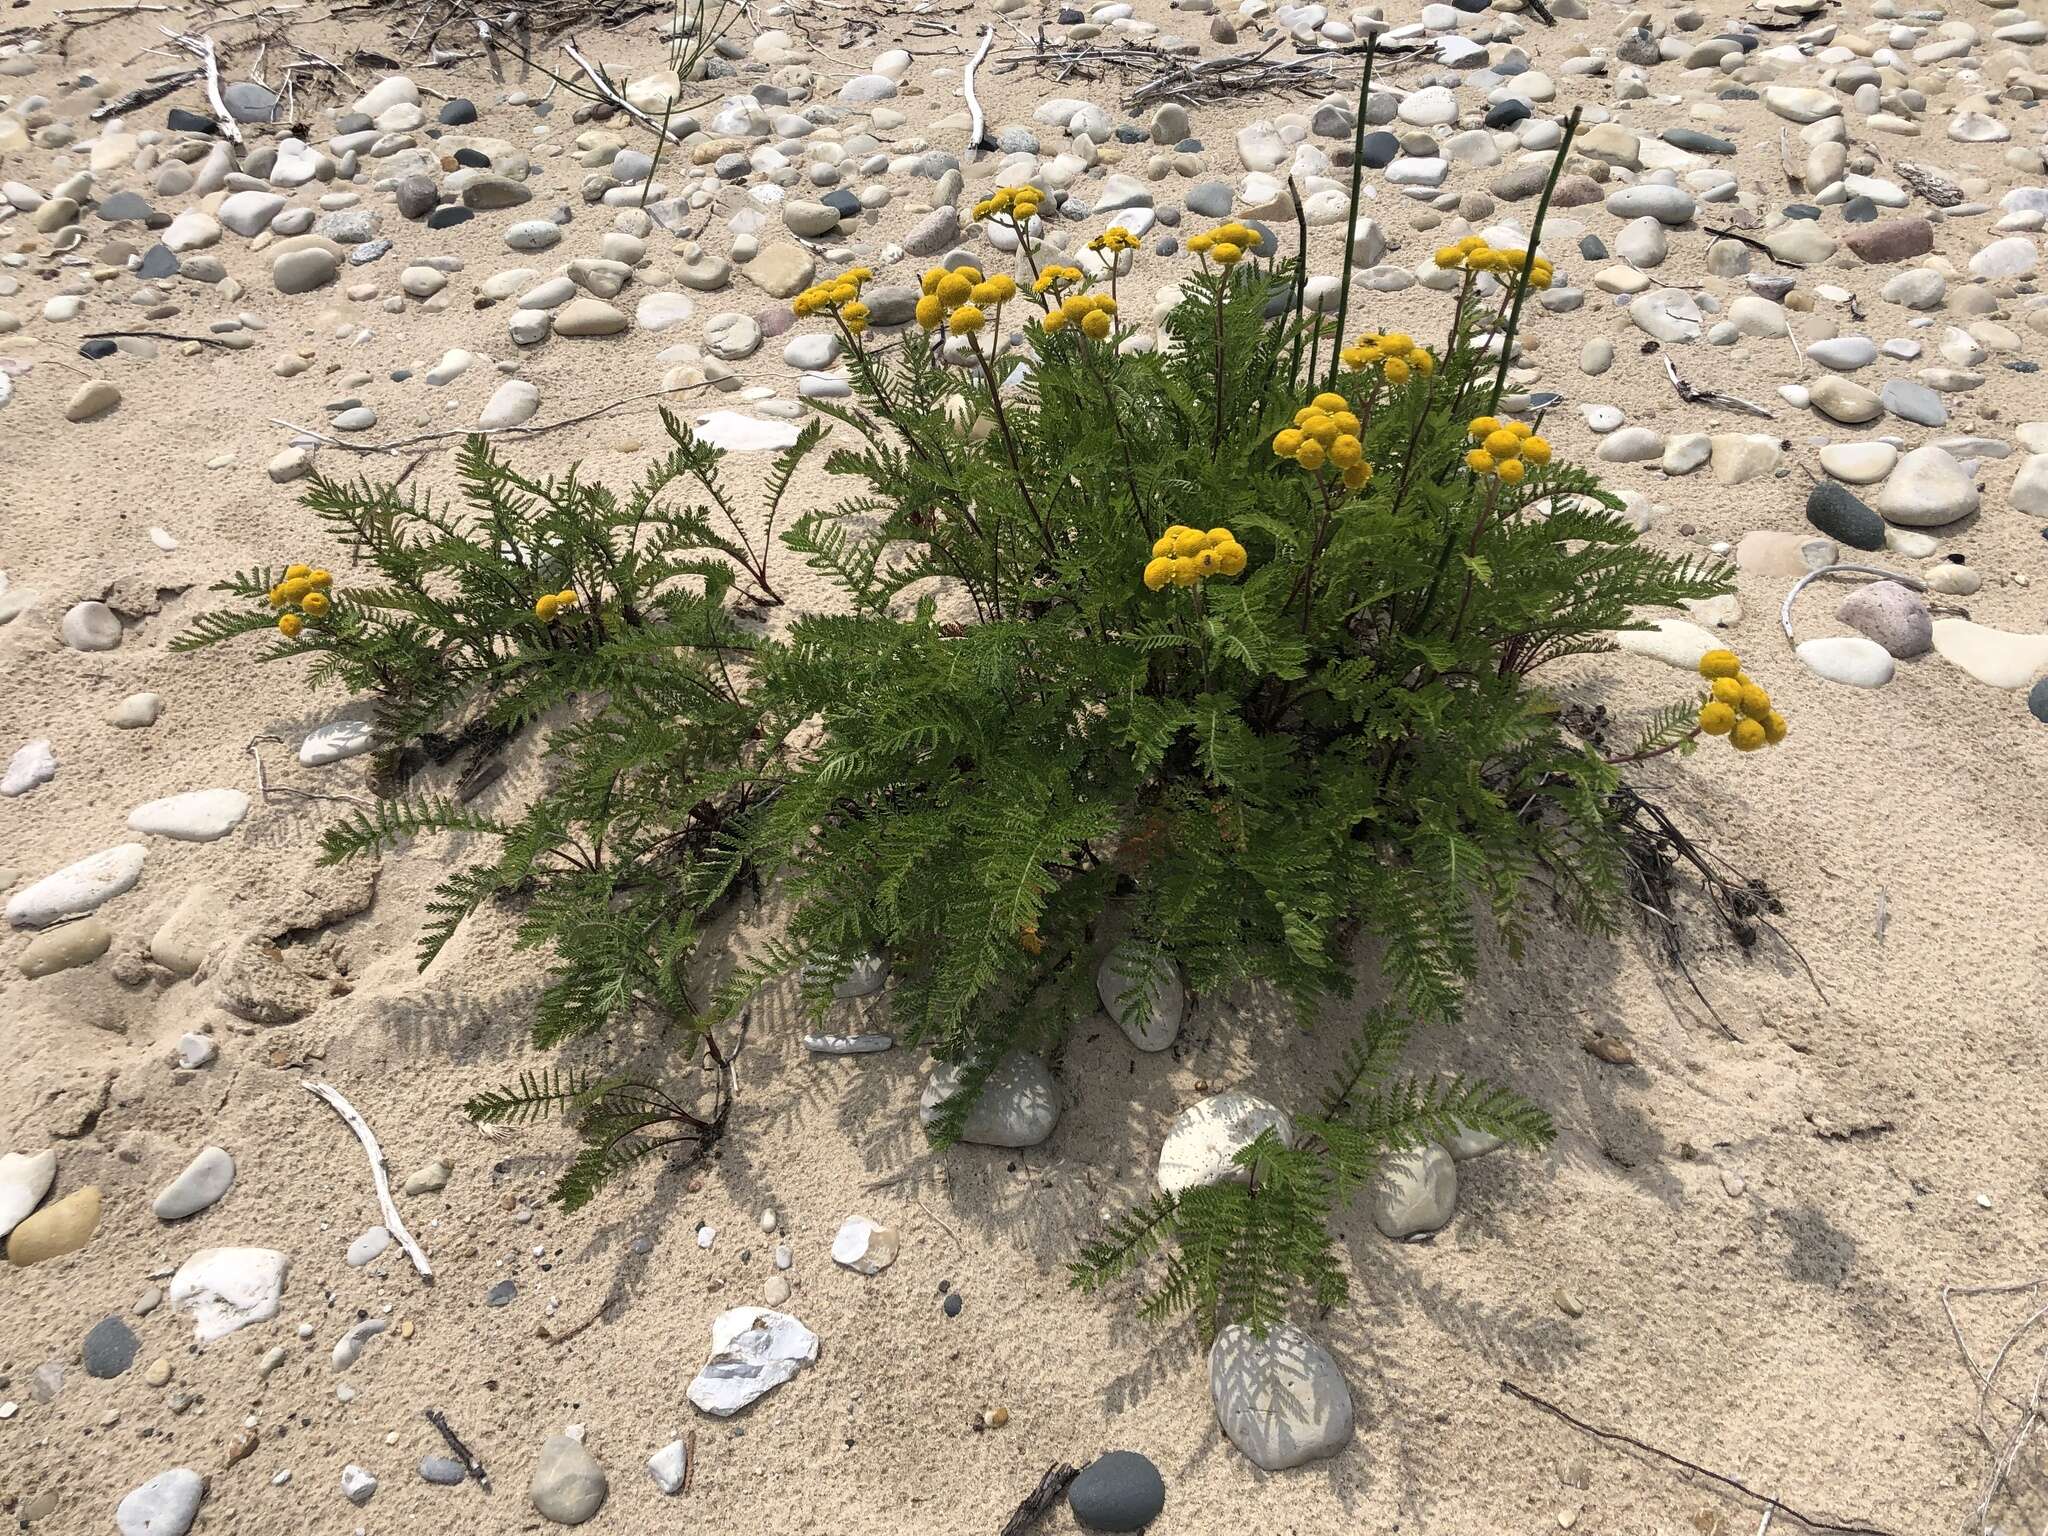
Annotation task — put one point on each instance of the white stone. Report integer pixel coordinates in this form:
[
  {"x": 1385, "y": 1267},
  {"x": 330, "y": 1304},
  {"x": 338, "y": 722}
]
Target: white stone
[
  {"x": 753, "y": 1351},
  {"x": 1206, "y": 1136},
  {"x": 1140, "y": 989},
  {"x": 1280, "y": 1400},
  {"x": 1018, "y": 1106},
  {"x": 2030, "y": 486},
  {"x": 1415, "y": 1191},
  {"x": 663, "y": 311},
  {"x": 1677, "y": 643},
  {"x": 358, "y": 1484},
  {"x": 1849, "y": 659},
  {"x": 366, "y": 1248},
  {"x": 205, "y": 1181},
  {"x": 511, "y": 403},
  {"x": 1927, "y": 489},
  {"x": 1859, "y": 463},
  {"x": 34, "y": 764},
  {"x": 197, "y": 816},
  {"x": 736, "y": 432},
  {"x": 77, "y": 888},
  {"x": 336, "y": 741},
  {"x": 1998, "y": 658},
  {"x": 166, "y": 1505},
  {"x": 229, "y": 1288},
  {"x": 2013, "y": 256},
  {"x": 25, "y": 1177},
  {"x": 864, "y": 1246},
  {"x": 669, "y": 1466}
]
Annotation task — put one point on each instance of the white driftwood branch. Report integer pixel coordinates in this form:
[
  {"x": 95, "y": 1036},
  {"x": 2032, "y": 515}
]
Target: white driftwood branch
[
  {"x": 605, "y": 89},
  {"x": 978, "y": 128},
  {"x": 203, "y": 47},
  {"x": 393, "y": 1222}
]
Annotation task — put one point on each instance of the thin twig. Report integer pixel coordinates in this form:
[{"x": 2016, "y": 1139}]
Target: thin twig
[
  {"x": 1050, "y": 1490},
  {"x": 1619, "y": 1438},
  {"x": 143, "y": 95},
  {"x": 399, "y": 445},
  {"x": 393, "y": 1222},
  {"x": 462, "y": 1452},
  {"x": 204, "y": 341},
  {"x": 1785, "y": 610}
]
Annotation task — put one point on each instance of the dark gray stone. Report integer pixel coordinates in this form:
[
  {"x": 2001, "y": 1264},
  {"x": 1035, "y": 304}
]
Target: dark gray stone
[
  {"x": 110, "y": 1348},
  {"x": 158, "y": 261},
  {"x": 457, "y": 110},
  {"x": 248, "y": 102},
  {"x": 1838, "y": 514},
  {"x": 444, "y": 1470},
  {"x": 2037, "y": 701},
  {"x": 417, "y": 196},
  {"x": 1379, "y": 149},
  {"x": 1121, "y": 1491},
  {"x": 502, "y": 1294},
  {"x": 119, "y": 207},
  {"x": 1210, "y": 199},
  {"x": 1695, "y": 141}
]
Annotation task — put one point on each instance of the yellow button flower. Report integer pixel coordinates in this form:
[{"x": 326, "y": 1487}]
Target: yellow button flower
[
  {"x": 1095, "y": 324},
  {"x": 1510, "y": 471},
  {"x": 1346, "y": 451},
  {"x": 315, "y": 604},
  {"x": 1309, "y": 455},
  {"x": 1503, "y": 444},
  {"x": 1158, "y": 571},
  {"x": 1536, "y": 450},
  {"x": 954, "y": 289},
  {"x": 931, "y": 309},
  {"x": 289, "y": 625},
  {"x": 1479, "y": 461},
  {"x": 1716, "y": 718},
  {"x": 1396, "y": 370},
  {"x": 1357, "y": 477},
  {"x": 1720, "y": 664},
  {"x": 1774, "y": 728},
  {"x": 1230, "y": 558},
  {"x": 965, "y": 320},
  {"x": 1286, "y": 442},
  {"x": 1747, "y": 736},
  {"x": 293, "y": 572},
  {"x": 546, "y": 607}
]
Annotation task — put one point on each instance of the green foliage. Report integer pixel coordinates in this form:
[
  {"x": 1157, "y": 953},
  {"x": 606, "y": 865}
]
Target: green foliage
[{"x": 1029, "y": 715}]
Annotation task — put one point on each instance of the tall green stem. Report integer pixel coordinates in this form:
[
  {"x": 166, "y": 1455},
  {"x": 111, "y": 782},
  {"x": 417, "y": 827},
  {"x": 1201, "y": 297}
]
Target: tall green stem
[
  {"x": 1372, "y": 44},
  {"x": 1507, "y": 341}
]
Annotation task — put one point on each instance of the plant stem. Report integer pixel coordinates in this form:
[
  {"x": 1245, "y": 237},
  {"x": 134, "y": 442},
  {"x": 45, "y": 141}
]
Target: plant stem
[
  {"x": 1372, "y": 43},
  {"x": 1507, "y": 341},
  {"x": 1643, "y": 757}
]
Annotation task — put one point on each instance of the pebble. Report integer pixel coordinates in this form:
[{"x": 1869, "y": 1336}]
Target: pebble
[
  {"x": 1415, "y": 1192},
  {"x": 166, "y": 1505},
  {"x": 205, "y": 1181},
  {"x": 1843, "y": 517},
  {"x": 511, "y": 403},
  {"x": 34, "y": 764},
  {"x": 864, "y": 1246},
  {"x": 1849, "y": 659},
  {"x": 670, "y": 1467},
  {"x": 229, "y": 1288},
  {"x": 1997, "y": 658},
  {"x": 1280, "y": 1400},
  {"x": 336, "y": 742},
  {"x": 1891, "y": 614},
  {"x": 196, "y": 816},
  {"x": 109, "y": 1348},
  {"x": 61, "y": 1227},
  {"x": 77, "y": 888},
  {"x": 1927, "y": 489},
  {"x": 1140, "y": 989},
  {"x": 25, "y": 1177},
  {"x": 358, "y": 1484},
  {"x": 90, "y": 626},
  {"x": 367, "y": 1247},
  {"x": 1120, "y": 1491},
  {"x": 568, "y": 1485},
  {"x": 1018, "y": 1106},
  {"x": 444, "y": 1470},
  {"x": 1207, "y": 1135},
  {"x": 1859, "y": 464},
  {"x": 429, "y": 1179}
]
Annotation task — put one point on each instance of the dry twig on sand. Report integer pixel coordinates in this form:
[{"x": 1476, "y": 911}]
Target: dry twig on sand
[
  {"x": 1050, "y": 1490},
  {"x": 399, "y": 445},
  {"x": 2006, "y": 1444},
  {"x": 1772, "y": 1505}
]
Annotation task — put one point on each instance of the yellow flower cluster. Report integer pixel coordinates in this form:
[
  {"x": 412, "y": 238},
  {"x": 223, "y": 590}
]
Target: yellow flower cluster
[
  {"x": 1055, "y": 276},
  {"x": 1395, "y": 354},
  {"x": 841, "y": 296},
  {"x": 1736, "y": 707},
  {"x": 1114, "y": 241},
  {"x": 1227, "y": 244},
  {"x": 551, "y": 605},
  {"x": 1094, "y": 313},
  {"x": 960, "y": 299},
  {"x": 1505, "y": 449},
  {"x": 1325, "y": 432},
  {"x": 1183, "y": 556},
  {"x": 1475, "y": 255},
  {"x": 305, "y": 590},
  {"x": 1020, "y": 203}
]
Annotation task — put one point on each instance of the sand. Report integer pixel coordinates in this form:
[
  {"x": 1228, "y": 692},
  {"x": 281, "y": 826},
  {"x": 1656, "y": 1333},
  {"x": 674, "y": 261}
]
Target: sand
[{"x": 1734, "y": 1250}]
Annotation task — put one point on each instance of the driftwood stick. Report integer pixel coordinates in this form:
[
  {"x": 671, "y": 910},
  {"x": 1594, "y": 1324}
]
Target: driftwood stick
[
  {"x": 1050, "y": 1490},
  {"x": 462, "y": 1452},
  {"x": 977, "y": 131},
  {"x": 399, "y": 445},
  {"x": 1772, "y": 1504},
  {"x": 393, "y": 1222},
  {"x": 203, "y": 47},
  {"x": 143, "y": 95},
  {"x": 605, "y": 89}
]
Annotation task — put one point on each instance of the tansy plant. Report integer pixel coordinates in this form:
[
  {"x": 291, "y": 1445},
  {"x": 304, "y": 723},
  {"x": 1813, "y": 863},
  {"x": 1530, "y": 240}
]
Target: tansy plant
[{"x": 1229, "y": 639}]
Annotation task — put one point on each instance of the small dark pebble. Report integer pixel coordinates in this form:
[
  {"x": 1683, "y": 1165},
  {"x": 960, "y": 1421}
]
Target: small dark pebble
[
  {"x": 1505, "y": 114},
  {"x": 953, "y": 1305},
  {"x": 457, "y": 110},
  {"x": 2024, "y": 366},
  {"x": 476, "y": 160},
  {"x": 109, "y": 1348},
  {"x": 447, "y": 218},
  {"x": 445, "y": 1470},
  {"x": 1167, "y": 247},
  {"x": 1379, "y": 149},
  {"x": 95, "y": 350},
  {"x": 1859, "y": 210},
  {"x": 1840, "y": 515},
  {"x": 1593, "y": 248},
  {"x": 1188, "y": 147},
  {"x": 181, "y": 121},
  {"x": 2037, "y": 701},
  {"x": 400, "y": 375},
  {"x": 1801, "y": 211}
]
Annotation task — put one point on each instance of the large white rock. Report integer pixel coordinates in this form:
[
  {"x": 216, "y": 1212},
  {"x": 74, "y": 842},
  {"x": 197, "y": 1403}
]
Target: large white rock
[
  {"x": 753, "y": 1351},
  {"x": 25, "y": 1177},
  {"x": 1018, "y": 1107},
  {"x": 166, "y": 1505},
  {"x": 1415, "y": 1191},
  {"x": 77, "y": 888},
  {"x": 737, "y": 432},
  {"x": 1140, "y": 989},
  {"x": 1205, "y": 1137},
  {"x": 335, "y": 742},
  {"x": 229, "y": 1288},
  {"x": 1281, "y": 1400},
  {"x": 197, "y": 816}
]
